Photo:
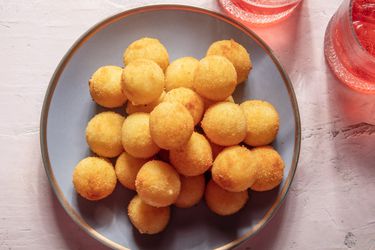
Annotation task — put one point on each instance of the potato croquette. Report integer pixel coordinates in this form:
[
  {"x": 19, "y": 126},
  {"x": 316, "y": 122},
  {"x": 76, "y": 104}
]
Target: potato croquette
[
  {"x": 235, "y": 169},
  {"x": 270, "y": 170},
  {"x": 143, "y": 81},
  {"x": 147, "y": 219},
  {"x": 145, "y": 108},
  {"x": 262, "y": 122},
  {"x": 180, "y": 73},
  {"x": 192, "y": 190},
  {"x": 105, "y": 87},
  {"x": 235, "y": 53},
  {"x": 127, "y": 168},
  {"x": 224, "y": 124},
  {"x": 215, "y": 78},
  {"x": 191, "y": 100},
  {"x": 147, "y": 48},
  {"x": 103, "y": 134},
  {"x": 136, "y": 137},
  {"x": 193, "y": 158},
  {"x": 223, "y": 202},
  {"x": 158, "y": 184},
  {"x": 171, "y": 125},
  {"x": 94, "y": 178}
]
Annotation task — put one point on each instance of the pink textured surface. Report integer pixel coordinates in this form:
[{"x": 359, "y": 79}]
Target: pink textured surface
[{"x": 331, "y": 203}]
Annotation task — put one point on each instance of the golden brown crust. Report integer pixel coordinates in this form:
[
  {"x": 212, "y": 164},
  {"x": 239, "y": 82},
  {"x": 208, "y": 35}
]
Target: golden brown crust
[
  {"x": 192, "y": 190},
  {"x": 223, "y": 202},
  {"x": 224, "y": 123},
  {"x": 147, "y": 219},
  {"x": 194, "y": 158},
  {"x": 270, "y": 170},
  {"x": 235, "y": 53},
  {"x": 94, "y": 178},
  {"x": 158, "y": 184},
  {"x": 127, "y": 168},
  {"x": 191, "y": 100},
  {"x": 143, "y": 81},
  {"x": 147, "y": 48},
  {"x": 136, "y": 137},
  {"x": 235, "y": 169},
  {"x": 106, "y": 88},
  {"x": 262, "y": 122},
  {"x": 103, "y": 134},
  {"x": 180, "y": 73},
  {"x": 171, "y": 125},
  {"x": 215, "y": 78}
]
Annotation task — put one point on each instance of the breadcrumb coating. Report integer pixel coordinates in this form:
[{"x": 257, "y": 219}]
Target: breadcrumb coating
[
  {"x": 103, "y": 134},
  {"x": 223, "y": 202},
  {"x": 194, "y": 158},
  {"x": 94, "y": 178},
  {"x": 158, "y": 184},
  {"x": 147, "y": 219},
  {"x": 215, "y": 78},
  {"x": 235, "y": 169},
  {"x": 147, "y": 48}
]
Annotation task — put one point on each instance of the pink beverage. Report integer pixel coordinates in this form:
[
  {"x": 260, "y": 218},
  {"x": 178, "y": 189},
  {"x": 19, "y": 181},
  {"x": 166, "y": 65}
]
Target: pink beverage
[
  {"x": 364, "y": 23},
  {"x": 349, "y": 44},
  {"x": 259, "y": 12}
]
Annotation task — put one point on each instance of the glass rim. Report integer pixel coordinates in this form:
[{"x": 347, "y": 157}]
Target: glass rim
[
  {"x": 351, "y": 3},
  {"x": 279, "y": 5}
]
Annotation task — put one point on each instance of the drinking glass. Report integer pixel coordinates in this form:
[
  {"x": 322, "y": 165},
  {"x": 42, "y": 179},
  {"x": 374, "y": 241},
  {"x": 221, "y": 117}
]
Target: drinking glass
[
  {"x": 349, "y": 44},
  {"x": 260, "y": 12}
]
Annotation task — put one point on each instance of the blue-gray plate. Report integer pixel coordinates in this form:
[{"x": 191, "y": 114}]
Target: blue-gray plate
[{"x": 185, "y": 31}]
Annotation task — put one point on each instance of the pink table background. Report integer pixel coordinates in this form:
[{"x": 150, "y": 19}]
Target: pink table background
[{"x": 331, "y": 204}]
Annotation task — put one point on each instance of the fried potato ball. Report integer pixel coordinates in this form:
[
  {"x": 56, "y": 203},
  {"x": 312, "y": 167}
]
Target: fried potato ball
[
  {"x": 127, "y": 168},
  {"x": 235, "y": 53},
  {"x": 262, "y": 122},
  {"x": 145, "y": 108},
  {"x": 270, "y": 168},
  {"x": 171, "y": 125},
  {"x": 215, "y": 78},
  {"x": 103, "y": 134},
  {"x": 223, "y": 202},
  {"x": 143, "y": 81},
  {"x": 180, "y": 73},
  {"x": 147, "y": 48},
  {"x": 192, "y": 190},
  {"x": 235, "y": 169},
  {"x": 94, "y": 178},
  {"x": 136, "y": 137},
  {"x": 147, "y": 219},
  {"x": 191, "y": 100},
  {"x": 194, "y": 158},
  {"x": 224, "y": 124},
  {"x": 158, "y": 184},
  {"x": 105, "y": 87}
]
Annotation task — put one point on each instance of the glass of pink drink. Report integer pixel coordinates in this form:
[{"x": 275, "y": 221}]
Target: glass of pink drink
[
  {"x": 349, "y": 44},
  {"x": 259, "y": 12}
]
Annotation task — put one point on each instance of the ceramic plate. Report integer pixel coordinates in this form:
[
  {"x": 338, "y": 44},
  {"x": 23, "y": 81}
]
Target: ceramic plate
[{"x": 185, "y": 31}]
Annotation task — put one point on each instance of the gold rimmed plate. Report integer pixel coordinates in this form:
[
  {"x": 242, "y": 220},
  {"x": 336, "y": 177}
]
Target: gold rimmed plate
[{"x": 185, "y": 31}]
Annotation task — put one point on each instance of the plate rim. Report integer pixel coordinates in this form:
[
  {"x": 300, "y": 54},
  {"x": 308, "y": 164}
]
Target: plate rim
[{"x": 149, "y": 8}]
